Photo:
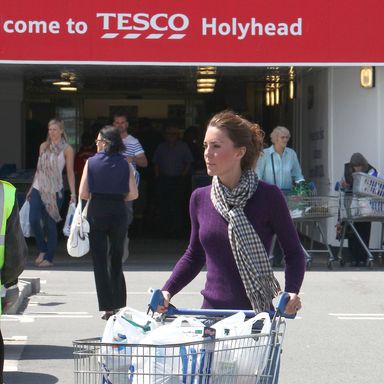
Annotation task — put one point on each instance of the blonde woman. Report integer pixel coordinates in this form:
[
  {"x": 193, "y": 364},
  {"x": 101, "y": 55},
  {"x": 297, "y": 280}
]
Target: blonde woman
[{"x": 46, "y": 194}]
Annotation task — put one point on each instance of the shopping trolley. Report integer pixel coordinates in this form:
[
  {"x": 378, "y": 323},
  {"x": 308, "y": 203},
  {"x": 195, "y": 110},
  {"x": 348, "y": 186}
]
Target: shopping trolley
[
  {"x": 365, "y": 204},
  {"x": 361, "y": 209},
  {"x": 247, "y": 359},
  {"x": 313, "y": 209}
]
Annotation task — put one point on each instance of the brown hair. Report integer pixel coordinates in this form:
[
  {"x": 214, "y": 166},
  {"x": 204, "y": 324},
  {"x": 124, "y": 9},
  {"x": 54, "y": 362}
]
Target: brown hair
[{"x": 242, "y": 133}]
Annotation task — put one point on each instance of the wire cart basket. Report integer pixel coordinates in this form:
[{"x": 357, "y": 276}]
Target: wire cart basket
[
  {"x": 361, "y": 209},
  {"x": 313, "y": 209},
  {"x": 252, "y": 359}
]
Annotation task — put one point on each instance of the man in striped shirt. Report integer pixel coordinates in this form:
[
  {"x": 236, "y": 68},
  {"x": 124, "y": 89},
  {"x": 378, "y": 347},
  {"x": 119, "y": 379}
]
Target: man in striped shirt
[{"x": 134, "y": 153}]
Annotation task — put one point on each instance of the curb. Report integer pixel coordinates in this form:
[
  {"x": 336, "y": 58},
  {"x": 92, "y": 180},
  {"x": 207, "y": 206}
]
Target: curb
[{"x": 27, "y": 286}]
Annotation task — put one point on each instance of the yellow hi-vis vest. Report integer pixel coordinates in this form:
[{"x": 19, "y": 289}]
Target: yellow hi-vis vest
[{"x": 7, "y": 201}]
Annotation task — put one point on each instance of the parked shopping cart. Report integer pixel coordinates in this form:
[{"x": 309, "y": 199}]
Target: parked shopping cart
[
  {"x": 246, "y": 359},
  {"x": 361, "y": 209},
  {"x": 364, "y": 203},
  {"x": 313, "y": 209}
]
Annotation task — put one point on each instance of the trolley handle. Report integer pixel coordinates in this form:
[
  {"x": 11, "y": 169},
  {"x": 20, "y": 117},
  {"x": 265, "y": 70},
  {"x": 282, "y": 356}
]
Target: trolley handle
[{"x": 157, "y": 299}]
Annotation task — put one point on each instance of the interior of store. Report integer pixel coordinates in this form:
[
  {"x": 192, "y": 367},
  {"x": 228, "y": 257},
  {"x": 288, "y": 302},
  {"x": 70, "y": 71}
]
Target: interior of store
[{"x": 86, "y": 96}]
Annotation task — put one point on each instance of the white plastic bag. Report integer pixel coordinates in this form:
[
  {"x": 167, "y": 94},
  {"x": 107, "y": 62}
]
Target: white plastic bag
[
  {"x": 249, "y": 356},
  {"x": 169, "y": 356},
  {"x": 127, "y": 327},
  {"x": 24, "y": 219},
  {"x": 78, "y": 240},
  {"x": 69, "y": 219}
]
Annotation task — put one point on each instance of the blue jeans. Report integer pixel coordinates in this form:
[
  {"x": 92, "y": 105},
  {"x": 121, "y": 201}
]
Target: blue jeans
[{"x": 46, "y": 238}]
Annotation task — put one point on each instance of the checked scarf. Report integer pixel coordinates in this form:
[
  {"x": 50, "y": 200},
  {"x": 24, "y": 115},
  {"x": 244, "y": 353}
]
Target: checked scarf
[{"x": 249, "y": 252}]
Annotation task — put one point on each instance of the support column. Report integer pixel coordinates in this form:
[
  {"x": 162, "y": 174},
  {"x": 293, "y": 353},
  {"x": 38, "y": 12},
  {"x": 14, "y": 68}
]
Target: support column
[{"x": 11, "y": 121}]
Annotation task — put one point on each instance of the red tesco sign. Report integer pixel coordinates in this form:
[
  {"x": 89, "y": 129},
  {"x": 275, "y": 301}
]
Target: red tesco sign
[{"x": 192, "y": 32}]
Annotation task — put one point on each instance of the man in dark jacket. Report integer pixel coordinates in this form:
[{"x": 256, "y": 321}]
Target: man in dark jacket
[{"x": 13, "y": 249}]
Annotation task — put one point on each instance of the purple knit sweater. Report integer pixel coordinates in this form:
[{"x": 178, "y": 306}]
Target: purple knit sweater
[{"x": 209, "y": 245}]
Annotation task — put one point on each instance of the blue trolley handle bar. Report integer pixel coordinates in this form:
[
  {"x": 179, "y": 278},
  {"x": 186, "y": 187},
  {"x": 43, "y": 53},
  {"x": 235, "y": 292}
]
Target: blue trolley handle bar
[{"x": 158, "y": 299}]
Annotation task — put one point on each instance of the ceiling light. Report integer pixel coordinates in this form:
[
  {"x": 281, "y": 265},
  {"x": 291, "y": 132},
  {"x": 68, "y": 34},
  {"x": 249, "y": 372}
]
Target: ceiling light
[
  {"x": 205, "y": 90},
  {"x": 69, "y": 89},
  {"x": 62, "y": 83},
  {"x": 206, "y": 81},
  {"x": 206, "y": 70}
]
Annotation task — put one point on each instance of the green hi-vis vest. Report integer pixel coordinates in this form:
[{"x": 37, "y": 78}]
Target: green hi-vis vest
[{"x": 7, "y": 201}]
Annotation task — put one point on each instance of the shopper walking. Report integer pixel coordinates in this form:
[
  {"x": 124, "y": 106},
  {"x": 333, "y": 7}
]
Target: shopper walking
[
  {"x": 46, "y": 194},
  {"x": 108, "y": 181}
]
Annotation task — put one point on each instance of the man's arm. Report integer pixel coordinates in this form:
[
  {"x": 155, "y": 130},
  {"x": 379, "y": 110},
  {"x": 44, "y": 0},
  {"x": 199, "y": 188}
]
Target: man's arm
[{"x": 140, "y": 160}]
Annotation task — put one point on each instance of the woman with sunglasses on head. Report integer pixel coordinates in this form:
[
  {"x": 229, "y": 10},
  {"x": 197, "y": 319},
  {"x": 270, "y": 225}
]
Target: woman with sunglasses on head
[
  {"x": 108, "y": 181},
  {"x": 46, "y": 194},
  {"x": 233, "y": 222}
]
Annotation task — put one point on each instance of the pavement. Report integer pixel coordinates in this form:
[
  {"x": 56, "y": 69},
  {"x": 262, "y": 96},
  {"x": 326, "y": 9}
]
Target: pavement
[
  {"x": 341, "y": 306},
  {"x": 158, "y": 253}
]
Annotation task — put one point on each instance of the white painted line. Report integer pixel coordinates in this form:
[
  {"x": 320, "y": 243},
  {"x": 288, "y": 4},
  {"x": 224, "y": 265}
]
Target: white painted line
[
  {"x": 56, "y": 313},
  {"x": 60, "y": 316},
  {"x": 361, "y": 318},
  {"x": 356, "y": 314}
]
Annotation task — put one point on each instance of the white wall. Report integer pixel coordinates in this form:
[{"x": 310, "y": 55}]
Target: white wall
[
  {"x": 351, "y": 118},
  {"x": 314, "y": 128},
  {"x": 356, "y": 123},
  {"x": 355, "y": 119}
]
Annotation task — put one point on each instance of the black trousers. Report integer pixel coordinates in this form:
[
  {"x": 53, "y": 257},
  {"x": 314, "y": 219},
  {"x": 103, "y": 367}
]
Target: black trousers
[
  {"x": 354, "y": 246},
  {"x": 108, "y": 229}
]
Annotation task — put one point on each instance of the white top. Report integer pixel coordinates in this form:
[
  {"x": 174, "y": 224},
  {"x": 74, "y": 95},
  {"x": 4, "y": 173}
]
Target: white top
[{"x": 132, "y": 146}]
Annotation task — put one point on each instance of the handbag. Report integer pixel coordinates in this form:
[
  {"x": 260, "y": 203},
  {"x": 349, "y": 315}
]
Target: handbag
[{"x": 78, "y": 240}]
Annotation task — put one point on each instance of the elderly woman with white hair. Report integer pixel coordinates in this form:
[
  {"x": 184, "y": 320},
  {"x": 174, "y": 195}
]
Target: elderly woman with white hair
[{"x": 279, "y": 164}]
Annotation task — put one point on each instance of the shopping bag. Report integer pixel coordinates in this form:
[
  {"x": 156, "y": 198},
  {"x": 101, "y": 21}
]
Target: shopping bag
[
  {"x": 69, "y": 219},
  {"x": 78, "y": 240},
  {"x": 247, "y": 355},
  {"x": 125, "y": 329},
  {"x": 172, "y": 358},
  {"x": 24, "y": 219}
]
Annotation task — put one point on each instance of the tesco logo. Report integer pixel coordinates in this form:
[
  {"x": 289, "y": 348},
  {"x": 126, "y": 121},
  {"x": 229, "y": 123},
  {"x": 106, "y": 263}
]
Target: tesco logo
[{"x": 132, "y": 26}]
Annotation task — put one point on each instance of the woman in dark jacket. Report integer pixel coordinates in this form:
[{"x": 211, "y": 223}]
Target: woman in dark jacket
[
  {"x": 358, "y": 163},
  {"x": 108, "y": 181}
]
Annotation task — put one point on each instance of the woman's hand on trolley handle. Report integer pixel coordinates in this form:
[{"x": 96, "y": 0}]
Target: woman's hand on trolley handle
[
  {"x": 294, "y": 304},
  {"x": 164, "y": 306}
]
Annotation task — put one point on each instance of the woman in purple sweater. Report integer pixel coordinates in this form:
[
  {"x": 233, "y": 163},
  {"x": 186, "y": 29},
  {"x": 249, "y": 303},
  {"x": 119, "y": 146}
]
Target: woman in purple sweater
[{"x": 233, "y": 221}]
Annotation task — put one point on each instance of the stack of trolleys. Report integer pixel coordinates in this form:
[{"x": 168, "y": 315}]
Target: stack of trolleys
[
  {"x": 253, "y": 358},
  {"x": 313, "y": 209},
  {"x": 365, "y": 204}
]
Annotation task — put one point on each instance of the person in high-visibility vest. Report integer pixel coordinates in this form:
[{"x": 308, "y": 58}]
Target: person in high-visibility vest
[{"x": 13, "y": 249}]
